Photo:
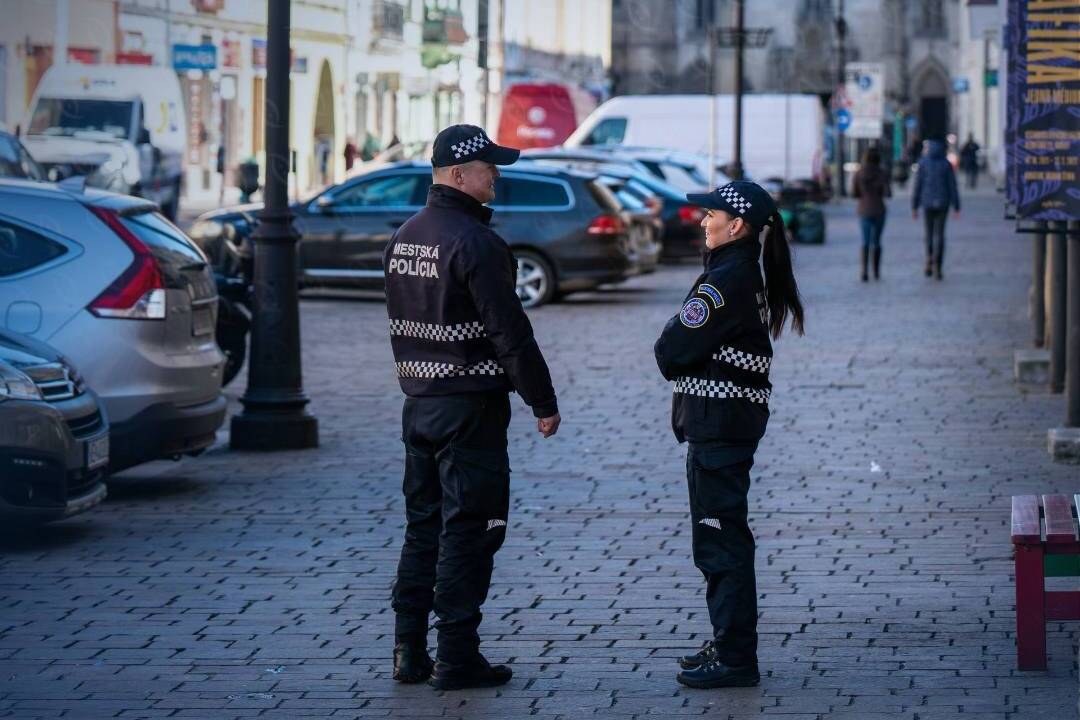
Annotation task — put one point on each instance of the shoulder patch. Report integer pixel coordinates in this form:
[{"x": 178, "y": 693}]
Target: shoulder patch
[
  {"x": 712, "y": 293},
  {"x": 694, "y": 313}
]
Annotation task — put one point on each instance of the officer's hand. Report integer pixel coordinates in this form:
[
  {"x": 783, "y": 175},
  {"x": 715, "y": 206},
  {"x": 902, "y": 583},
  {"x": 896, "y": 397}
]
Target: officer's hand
[{"x": 548, "y": 426}]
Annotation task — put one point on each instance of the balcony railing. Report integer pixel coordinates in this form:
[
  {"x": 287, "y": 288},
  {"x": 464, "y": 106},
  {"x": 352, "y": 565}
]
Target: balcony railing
[{"x": 444, "y": 27}]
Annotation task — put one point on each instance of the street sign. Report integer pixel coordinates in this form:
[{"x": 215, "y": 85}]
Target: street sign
[
  {"x": 960, "y": 85},
  {"x": 843, "y": 119},
  {"x": 990, "y": 78},
  {"x": 864, "y": 88},
  {"x": 194, "y": 57}
]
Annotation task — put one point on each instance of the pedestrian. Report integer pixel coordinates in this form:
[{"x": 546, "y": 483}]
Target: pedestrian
[
  {"x": 969, "y": 161},
  {"x": 935, "y": 190},
  {"x": 461, "y": 342},
  {"x": 350, "y": 153},
  {"x": 871, "y": 187},
  {"x": 717, "y": 350}
]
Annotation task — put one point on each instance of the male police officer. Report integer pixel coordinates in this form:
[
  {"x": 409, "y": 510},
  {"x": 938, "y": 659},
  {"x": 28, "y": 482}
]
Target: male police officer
[{"x": 461, "y": 341}]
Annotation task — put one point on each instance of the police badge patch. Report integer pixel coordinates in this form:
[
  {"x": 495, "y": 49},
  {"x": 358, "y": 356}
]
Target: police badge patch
[{"x": 694, "y": 313}]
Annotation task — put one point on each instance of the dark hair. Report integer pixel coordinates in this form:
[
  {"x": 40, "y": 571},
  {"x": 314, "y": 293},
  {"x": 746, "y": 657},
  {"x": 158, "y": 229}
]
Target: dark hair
[
  {"x": 781, "y": 291},
  {"x": 872, "y": 156}
]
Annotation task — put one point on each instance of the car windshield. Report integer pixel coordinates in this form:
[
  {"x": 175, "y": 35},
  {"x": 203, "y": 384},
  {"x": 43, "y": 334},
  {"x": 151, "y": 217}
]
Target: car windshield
[{"x": 68, "y": 116}]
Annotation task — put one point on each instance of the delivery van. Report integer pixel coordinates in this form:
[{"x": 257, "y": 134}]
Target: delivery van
[
  {"x": 540, "y": 115},
  {"x": 120, "y": 126},
  {"x": 783, "y": 135}
]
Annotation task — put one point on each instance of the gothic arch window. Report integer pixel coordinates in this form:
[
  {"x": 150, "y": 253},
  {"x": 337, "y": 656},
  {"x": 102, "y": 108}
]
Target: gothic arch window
[{"x": 931, "y": 18}]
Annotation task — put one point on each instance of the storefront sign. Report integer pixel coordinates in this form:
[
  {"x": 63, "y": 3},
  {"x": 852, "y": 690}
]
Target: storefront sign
[
  {"x": 864, "y": 88},
  {"x": 194, "y": 57},
  {"x": 1043, "y": 133}
]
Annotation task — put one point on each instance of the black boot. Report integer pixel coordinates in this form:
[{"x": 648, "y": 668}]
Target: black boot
[
  {"x": 715, "y": 674},
  {"x": 929, "y": 266},
  {"x": 702, "y": 656},
  {"x": 477, "y": 674},
  {"x": 877, "y": 262},
  {"x": 412, "y": 664},
  {"x": 862, "y": 261},
  {"x": 937, "y": 271}
]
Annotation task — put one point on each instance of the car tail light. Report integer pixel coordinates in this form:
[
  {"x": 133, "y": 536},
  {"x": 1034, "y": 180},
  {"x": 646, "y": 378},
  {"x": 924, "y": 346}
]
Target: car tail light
[
  {"x": 139, "y": 292},
  {"x": 691, "y": 214},
  {"x": 606, "y": 225}
]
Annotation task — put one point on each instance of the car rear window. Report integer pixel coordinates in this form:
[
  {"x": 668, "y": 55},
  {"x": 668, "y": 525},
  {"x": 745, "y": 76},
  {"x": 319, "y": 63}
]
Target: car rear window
[
  {"x": 22, "y": 249},
  {"x": 167, "y": 242},
  {"x": 523, "y": 192}
]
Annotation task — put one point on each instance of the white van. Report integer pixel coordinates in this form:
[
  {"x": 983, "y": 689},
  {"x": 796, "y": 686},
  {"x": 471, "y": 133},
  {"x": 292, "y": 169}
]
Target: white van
[
  {"x": 121, "y": 126},
  {"x": 783, "y": 135}
]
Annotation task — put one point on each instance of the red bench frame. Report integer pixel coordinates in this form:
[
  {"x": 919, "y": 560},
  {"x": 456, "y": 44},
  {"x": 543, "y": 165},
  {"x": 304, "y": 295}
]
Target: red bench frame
[{"x": 1046, "y": 545}]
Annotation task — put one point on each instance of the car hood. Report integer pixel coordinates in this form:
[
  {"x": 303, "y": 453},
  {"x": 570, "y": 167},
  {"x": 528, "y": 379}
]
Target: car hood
[{"x": 21, "y": 351}]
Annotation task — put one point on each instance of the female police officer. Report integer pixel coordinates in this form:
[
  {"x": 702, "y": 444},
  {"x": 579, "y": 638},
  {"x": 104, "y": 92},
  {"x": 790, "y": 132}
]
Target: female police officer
[{"x": 717, "y": 351}]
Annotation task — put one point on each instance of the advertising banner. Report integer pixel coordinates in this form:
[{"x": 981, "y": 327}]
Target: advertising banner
[
  {"x": 864, "y": 89},
  {"x": 1043, "y": 127}
]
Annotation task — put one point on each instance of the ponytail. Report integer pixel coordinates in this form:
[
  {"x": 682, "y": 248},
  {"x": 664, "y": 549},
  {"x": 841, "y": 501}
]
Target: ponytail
[{"x": 781, "y": 292}]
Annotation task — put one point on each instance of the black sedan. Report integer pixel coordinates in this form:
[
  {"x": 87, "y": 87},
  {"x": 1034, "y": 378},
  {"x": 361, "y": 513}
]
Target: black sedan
[{"x": 566, "y": 229}]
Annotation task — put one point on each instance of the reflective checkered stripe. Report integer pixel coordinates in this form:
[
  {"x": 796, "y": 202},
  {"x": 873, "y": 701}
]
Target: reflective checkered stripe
[
  {"x": 439, "y": 333},
  {"x": 446, "y": 370},
  {"x": 737, "y": 201},
  {"x": 720, "y": 390},
  {"x": 468, "y": 147},
  {"x": 744, "y": 360}
]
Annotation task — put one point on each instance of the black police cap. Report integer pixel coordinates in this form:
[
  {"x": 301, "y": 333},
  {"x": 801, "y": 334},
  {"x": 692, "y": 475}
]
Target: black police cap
[
  {"x": 739, "y": 198},
  {"x": 459, "y": 144}
]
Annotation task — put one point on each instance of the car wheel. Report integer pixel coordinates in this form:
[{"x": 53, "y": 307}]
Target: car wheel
[{"x": 535, "y": 279}]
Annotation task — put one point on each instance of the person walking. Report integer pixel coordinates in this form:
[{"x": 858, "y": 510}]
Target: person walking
[
  {"x": 461, "y": 342},
  {"x": 935, "y": 191},
  {"x": 969, "y": 161},
  {"x": 871, "y": 187},
  {"x": 717, "y": 350}
]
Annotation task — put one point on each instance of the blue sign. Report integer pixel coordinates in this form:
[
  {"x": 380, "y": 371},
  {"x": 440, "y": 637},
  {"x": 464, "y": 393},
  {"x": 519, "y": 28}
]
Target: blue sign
[
  {"x": 194, "y": 57},
  {"x": 960, "y": 85},
  {"x": 865, "y": 81},
  {"x": 843, "y": 119}
]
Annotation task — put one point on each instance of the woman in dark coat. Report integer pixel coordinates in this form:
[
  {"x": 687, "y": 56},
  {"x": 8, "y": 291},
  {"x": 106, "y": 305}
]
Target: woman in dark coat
[
  {"x": 871, "y": 187},
  {"x": 717, "y": 350}
]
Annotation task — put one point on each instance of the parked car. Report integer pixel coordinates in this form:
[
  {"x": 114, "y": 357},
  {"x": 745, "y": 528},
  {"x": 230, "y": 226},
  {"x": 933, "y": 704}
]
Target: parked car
[
  {"x": 682, "y": 236},
  {"x": 15, "y": 161},
  {"x": 641, "y": 212},
  {"x": 564, "y": 227},
  {"x": 686, "y": 171},
  {"x": 114, "y": 286},
  {"x": 54, "y": 435}
]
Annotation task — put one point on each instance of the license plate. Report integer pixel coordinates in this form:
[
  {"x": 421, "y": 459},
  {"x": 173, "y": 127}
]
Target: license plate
[
  {"x": 97, "y": 452},
  {"x": 202, "y": 322}
]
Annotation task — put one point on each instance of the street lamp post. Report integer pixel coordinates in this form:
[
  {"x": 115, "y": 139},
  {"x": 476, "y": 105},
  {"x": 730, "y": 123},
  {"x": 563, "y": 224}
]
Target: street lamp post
[
  {"x": 275, "y": 415},
  {"x": 738, "y": 37}
]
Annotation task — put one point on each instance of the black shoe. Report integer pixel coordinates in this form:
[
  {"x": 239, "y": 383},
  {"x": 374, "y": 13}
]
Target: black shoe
[
  {"x": 937, "y": 273},
  {"x": 412, "y": 664},
  {"x": 929, "y": 268},
  {"x": 715, "y": 674},
  {"x": 702, "y": 656},
  {"x": 478, "y": 674}
]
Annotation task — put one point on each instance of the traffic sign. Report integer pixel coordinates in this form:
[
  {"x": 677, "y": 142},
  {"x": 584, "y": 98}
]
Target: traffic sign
[{"x": 843, "y": 119}]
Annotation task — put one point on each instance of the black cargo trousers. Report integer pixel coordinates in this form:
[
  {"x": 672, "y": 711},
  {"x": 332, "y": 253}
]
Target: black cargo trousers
[
  {"x": 457, "y": 493},
  {"x": 719, "y": 481}
]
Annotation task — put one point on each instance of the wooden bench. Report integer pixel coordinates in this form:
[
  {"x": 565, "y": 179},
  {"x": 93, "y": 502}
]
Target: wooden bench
[{"x": 1045, "y": 543}]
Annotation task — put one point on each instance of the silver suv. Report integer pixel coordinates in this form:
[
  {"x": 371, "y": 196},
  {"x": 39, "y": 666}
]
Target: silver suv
[{"x": 113, "y": 285}]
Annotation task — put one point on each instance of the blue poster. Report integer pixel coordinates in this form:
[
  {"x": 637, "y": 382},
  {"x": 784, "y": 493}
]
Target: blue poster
[
  {"x": 1042, "y": 132},
  {"x": 194, "y": 57}
]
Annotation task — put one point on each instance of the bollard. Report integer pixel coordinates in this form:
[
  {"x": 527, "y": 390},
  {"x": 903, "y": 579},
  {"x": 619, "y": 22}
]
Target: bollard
[
  {"x": 1038, "y": 286},
  {"x": 1056, "y": 278}
]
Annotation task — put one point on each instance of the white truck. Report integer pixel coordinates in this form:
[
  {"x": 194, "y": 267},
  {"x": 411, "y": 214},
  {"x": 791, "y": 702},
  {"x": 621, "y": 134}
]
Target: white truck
[
  {"x": 782, "y": 135},
  {"x": 120, "y": 126}
]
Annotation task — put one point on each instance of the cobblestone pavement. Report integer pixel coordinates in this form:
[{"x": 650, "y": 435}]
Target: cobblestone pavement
[{"x": 255, "y": 585}]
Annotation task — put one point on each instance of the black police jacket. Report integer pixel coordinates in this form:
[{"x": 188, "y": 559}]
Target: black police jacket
[
  {"x": 456, "y": 323},
  {"x": 717, "y": 351}
]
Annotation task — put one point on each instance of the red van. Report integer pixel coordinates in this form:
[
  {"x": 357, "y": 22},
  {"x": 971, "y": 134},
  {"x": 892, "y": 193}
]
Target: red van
[{"x": 539, "y": 115}]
